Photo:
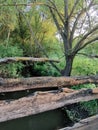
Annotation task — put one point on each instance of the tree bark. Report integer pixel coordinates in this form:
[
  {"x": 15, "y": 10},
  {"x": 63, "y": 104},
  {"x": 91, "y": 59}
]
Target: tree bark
[{"x": 68, "y": 67}]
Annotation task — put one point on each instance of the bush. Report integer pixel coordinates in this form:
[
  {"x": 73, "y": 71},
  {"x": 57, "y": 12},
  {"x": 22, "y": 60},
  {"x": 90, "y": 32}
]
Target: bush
[
  {"x": 85, "y": 66},
  {"x": 11, "y": 69},
  {"x": 45, "y": 69},
  {"x": 91, "y": 106}
]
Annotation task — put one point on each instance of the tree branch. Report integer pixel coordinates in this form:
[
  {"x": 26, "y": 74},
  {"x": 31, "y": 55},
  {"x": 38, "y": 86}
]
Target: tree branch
[
  {"x": 89, "y": 56},
  {"x": 75, "y": 4},
  {"x": 58, "y": 12},
  {"x": 32, "y": 59},
  {"x": 87, "y": 43},
  {"x": 83, "y": 11},
  {"x": 67, "y": 45},
  {"x": 80, "y": 42},
  {"x": 56, "y": 23},
  {"x": 23, "y": 4}
]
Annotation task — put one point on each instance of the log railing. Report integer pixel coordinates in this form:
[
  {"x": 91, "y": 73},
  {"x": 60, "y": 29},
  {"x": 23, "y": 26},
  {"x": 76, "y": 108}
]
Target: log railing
[
  {"x": 43, "y": 101},
  {"x": 32, "y": 59},
  {"x": 20, "y": 84}
]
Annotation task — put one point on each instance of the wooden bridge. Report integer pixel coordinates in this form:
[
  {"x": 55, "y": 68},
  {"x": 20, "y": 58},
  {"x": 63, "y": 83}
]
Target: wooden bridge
[
  {"x": 41, "y": 101},
  {"x": 49, "y": 93}
]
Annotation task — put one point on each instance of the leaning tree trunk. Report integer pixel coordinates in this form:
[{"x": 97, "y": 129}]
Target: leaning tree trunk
[{"x": 68, "y": 67}]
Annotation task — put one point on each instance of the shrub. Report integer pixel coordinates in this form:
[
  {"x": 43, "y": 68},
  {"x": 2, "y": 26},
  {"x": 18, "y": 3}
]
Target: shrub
[
  {"x": 85, "y": 66},
  {"x": 45, "y": 69},
  {"x": 11, "y": 69},
  {"x": 91, "y": 106}
]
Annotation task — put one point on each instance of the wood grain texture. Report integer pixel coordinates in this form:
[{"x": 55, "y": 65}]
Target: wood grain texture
[
  {"x": 41, "y": 102},
  {"x": 20, "y": 84}
]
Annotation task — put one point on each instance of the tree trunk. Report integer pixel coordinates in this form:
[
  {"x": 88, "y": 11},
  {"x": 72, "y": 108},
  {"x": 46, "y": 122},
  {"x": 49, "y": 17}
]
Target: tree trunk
[{"x": 68, "y": 67}]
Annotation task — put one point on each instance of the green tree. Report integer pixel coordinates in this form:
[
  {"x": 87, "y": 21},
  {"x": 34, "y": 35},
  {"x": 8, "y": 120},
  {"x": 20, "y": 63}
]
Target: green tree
[
  {"x": 75, "y": 26},
  {"x": 71, "y": 17}
]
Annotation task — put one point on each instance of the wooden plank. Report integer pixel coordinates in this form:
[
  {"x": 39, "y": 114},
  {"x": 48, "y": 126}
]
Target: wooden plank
[
  {"x": 90, "y": 123},
  {"x": 20, "y": 84},
  {"x": 32, "y": 59},
  {"x": 41, "y": 102}
]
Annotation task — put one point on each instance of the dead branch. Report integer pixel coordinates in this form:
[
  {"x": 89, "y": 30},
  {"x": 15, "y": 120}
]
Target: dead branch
[
  {"x": 80, "y": 44},
  {"x": 17, "y": 59},
  {"x": 23, "y": 4},
  {"x": 89, "y": 56}
]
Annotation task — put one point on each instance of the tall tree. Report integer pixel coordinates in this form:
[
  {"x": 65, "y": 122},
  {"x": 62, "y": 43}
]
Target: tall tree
[
  {"x": 75, "y": 26},
  {"x": 74, "y": 22}
]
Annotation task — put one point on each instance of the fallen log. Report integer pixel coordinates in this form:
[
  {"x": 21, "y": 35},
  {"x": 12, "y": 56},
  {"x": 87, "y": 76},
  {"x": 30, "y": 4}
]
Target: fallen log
[
  {"x": 42, "y": 101},
  {"x": 17, "y": 59},
  {"x": 20, "y": 84},
  {"x": 90, "y": 123}
]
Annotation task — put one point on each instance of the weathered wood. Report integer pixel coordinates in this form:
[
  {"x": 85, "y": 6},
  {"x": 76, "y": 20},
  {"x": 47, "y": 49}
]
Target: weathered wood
[
  {"x": 19, "y": 84},
  {"x": 32, "y": 59},
  {"x": 41, "y": 102},
  {"x": 90, "y": 123}
]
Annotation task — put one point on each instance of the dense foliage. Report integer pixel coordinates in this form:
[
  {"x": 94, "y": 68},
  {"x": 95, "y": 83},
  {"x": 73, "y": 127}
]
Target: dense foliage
[{"x": 12, "y": 69}]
